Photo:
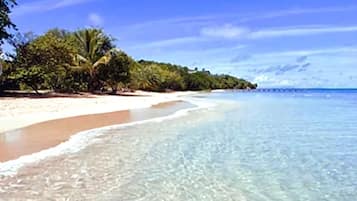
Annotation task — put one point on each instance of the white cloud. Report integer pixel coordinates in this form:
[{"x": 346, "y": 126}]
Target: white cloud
[
  {"x": 210, "y": 34},
  {"x": 95, "y": 19},
  {"x": 269, "y": 33},
  {"x": 45, "y": 5},
  {"x": 225, "y": 31},
  {"x": 328, "y": 57},
  {"x": 267, "y": 81},
  {"x": 309, "y": 52},
  {"x": 204, "y": 19},
  {"x": 172, "y": 21},
  {"x": 236, "y": 32},
  {"x": 170, "y": 42},
  {"x": 296, "y": 11},
  {"x": 261, "y": 78}
]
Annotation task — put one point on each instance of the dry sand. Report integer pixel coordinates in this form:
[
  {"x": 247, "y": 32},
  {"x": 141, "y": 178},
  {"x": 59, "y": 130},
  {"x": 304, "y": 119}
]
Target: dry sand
[
  {"x": 20, "y": 112},
  {"x": 44, "y": 135},
  {"x": 29, "y": 125}
]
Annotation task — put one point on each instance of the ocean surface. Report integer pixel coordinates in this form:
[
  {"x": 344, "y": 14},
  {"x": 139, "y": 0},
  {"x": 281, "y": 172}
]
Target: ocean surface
[{"x": 268, "y": 145}]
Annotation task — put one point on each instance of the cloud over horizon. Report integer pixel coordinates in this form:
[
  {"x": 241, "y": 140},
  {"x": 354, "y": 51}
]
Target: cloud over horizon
[
  {"x": 45, "y": 5},
  {"x": 229, "y": 31},
  {"x": 236, "y": 33}
]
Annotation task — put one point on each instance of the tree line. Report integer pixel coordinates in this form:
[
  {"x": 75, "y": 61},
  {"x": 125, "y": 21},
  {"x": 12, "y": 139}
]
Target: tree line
[{"x": 88, "y": 60}]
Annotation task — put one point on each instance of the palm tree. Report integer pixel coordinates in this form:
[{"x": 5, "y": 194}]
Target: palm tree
[{"x": 94, "y": 49}]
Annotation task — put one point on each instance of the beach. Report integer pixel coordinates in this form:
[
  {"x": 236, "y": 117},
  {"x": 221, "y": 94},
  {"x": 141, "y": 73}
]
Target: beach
[
  {"x": 30, "y": 125},
  {"x": 227, "y": 146},
  {"x": 20, "y": 112}
]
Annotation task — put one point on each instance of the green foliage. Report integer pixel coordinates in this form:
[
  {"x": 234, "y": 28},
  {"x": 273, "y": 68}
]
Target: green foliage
[
  {"x": 116, "y": 70},
  {"x": 32, "y": 76},
  {"x": 60, "y": 33},
  {"x": 44, "y": 62},
  {"x": 87, "y": 60},
  {"x": 5, "y": 21},
  {"x": 5, "y": 81},
  {"x": 155, "y": 76},
  {"x": 200, "y": 81},
  {"x": 92, "y": 47},
  {"x": 92, "y": 44}
]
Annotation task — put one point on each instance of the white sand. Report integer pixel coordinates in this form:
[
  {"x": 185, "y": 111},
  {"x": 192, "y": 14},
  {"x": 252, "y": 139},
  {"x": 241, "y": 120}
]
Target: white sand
[{"x": 20, "y": 112}]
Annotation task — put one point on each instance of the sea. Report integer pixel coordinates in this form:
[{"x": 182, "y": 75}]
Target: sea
[{"x": 262, "y": 145}]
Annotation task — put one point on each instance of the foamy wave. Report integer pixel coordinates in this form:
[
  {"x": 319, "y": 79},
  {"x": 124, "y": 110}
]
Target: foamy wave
[
  {"x": 218, "y": 91},
  {"x": 82, "y": 139}
]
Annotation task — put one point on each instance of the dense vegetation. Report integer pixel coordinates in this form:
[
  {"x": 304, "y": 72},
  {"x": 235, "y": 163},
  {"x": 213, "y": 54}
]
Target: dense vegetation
[
  {"x": 155, "y": 76},
  {"x": 88, "y": 60}
]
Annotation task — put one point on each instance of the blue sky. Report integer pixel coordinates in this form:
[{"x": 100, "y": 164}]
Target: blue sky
[{"x": 276, "y": 43}]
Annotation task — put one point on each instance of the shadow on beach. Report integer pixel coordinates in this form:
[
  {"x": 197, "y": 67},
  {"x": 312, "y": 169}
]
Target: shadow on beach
[{"x": 51, "y": 94}]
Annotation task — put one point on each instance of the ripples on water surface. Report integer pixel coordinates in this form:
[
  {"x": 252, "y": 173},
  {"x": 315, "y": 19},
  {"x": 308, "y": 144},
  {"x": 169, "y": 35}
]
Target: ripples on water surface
[{"x": 252, "y": 146}]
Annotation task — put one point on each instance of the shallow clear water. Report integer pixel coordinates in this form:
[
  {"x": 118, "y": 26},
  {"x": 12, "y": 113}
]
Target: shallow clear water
[{"x": 252, "y": 146}]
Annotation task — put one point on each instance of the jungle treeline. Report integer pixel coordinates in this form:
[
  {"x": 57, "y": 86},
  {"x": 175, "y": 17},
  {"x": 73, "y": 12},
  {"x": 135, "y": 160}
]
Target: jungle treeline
[{"x": 88, "y": 60}]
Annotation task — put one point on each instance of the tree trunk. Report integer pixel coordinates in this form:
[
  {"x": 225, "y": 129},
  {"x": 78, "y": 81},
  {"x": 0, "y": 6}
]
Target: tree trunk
[
  {"x": 94, "y": 83},
  {"x": 36, "y": 90},
  {"x": 114, "y": 89},
  {"x": 0, "y": 66}
]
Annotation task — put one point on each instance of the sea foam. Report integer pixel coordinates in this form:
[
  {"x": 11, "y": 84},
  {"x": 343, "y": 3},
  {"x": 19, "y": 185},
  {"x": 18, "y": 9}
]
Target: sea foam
[{"x": 83, "y": 139}]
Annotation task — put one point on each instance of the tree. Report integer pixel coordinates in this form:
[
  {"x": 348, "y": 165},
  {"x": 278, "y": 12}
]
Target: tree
[
  {"x": 155, "y": 76},
  {"x": 7, "y": 79},
  {"x": 5, "y": 82},
  {"x": 199, "y": 81},
  {"x": 5, "y": 21},
  {"x": 60, "y": 33},
  {"x": 32, "y": 76},
  {"x": 158, "y": 76},
  {"x": 20, "y": 40},
  {"x": 138, "y": 77},
  {"x": 93, "y": 46},
  {"x": 116, "y": 70},
  {"x": 44, "y": 62},
  {"x": 87, "y": 60}
]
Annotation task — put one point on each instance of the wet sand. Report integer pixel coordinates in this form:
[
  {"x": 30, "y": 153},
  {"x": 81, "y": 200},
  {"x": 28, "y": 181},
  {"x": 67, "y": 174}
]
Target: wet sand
[
  {"x": 19, "y": 112},
  {"x": 41, "y": 136}
]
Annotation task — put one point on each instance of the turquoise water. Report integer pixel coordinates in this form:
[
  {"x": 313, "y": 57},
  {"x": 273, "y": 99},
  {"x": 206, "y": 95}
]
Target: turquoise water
[
  {"x": 292, "y": 146},
  {"x": 257, "y": 146},
  {"x": 261, "y": 146}
]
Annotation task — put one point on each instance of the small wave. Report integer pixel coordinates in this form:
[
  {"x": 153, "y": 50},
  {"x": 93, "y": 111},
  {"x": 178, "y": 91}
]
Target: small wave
[
  {"x": 218, "y": 91},
  {"x": 83, "y": 139}
]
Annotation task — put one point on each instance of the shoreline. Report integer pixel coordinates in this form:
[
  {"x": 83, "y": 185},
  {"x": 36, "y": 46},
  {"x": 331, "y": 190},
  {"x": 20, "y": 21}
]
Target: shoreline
[
  {"x": 82, "y": 139},
  {"x": 55, "y": 122},
  {"x": 44, "y": 135},
  {"x": 16, "y": 113}
]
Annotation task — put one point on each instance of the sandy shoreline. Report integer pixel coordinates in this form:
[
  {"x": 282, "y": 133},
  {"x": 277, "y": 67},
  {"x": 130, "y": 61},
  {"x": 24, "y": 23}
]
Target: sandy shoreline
[
  {"x": 21, "y": 112},
  {"x": 44, "y": 135},
  {"x": 30, "y": 125}
]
